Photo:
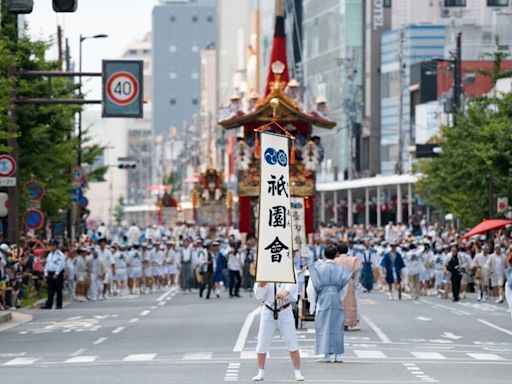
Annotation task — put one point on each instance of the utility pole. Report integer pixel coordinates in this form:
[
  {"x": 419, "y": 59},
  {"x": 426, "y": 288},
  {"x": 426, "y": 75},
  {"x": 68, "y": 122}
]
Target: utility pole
[
  {"x": 457, "y": 77},
  {"x": 400, "y": 163}
]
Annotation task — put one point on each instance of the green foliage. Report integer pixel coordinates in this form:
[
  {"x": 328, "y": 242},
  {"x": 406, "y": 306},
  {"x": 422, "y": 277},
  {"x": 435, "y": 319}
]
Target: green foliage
[
  {"x": 119, "y": 214},
  {"x": 46, "y": 133},
  {"x": 497, "y": 59},
  {"x": 476, "y": 163}
]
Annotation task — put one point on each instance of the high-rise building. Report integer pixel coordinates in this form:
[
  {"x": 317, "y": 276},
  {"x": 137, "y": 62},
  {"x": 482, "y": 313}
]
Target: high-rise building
[
  {"x": 333, "y": 68},
  {"x": 181, "y": 30}
]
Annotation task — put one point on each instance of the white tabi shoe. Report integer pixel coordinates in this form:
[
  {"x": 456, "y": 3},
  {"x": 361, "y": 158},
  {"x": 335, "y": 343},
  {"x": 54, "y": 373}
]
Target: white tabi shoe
[
  {"x": 299, "y": 377},
  {"x": 258, "y": 377}
]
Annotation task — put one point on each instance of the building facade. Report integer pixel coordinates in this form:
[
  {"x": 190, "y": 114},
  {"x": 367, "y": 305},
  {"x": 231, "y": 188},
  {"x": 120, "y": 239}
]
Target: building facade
[
  {"x": 181, "y": 30},
  {"x": 333, "y": 68}
]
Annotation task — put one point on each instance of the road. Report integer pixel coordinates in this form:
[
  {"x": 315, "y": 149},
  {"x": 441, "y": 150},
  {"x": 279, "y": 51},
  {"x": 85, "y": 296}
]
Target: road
[{"x": 172, "y": 337}]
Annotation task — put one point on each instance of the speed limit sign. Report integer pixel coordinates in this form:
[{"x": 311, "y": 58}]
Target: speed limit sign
[{"x": 122, "y": 88}]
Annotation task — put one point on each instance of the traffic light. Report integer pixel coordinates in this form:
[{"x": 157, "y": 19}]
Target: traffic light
[
  {"x": 127, "y": 163},
  {"x": 127, "y": 166},
  {"x": 20, "y": 6},
  {"x": 65, "y": 5}
]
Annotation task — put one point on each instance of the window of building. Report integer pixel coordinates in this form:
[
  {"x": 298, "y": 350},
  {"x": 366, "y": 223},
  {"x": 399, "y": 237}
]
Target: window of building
[
  {"x": 194, "y": 75},
  {"x": 209, "y": 18},
  {"x": 454, "y": 3},
  {"x": 172, "y": 101},
  {"x": 194, "y": 48},
  {"x": 172, "y": 48},
  {"x": 386, "y": 3},
  {"x": 172, "y": 18},
  {"x": 195, "y": 19},
  {"x": 172, "y": 75},
  {"x": 195, "y": 101},
  {"x": 497, "y": 3}
]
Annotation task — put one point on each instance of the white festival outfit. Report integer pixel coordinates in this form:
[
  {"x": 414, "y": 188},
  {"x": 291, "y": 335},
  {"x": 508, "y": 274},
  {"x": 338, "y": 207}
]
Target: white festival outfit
[
  {"x": 134, "y": 264},
  {"x": 285, "y": 321},
  {"x": 120, "y": 263}
]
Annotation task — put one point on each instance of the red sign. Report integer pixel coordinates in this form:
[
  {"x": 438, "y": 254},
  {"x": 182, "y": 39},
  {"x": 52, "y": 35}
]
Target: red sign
[
  {"x": 122, "y": 88},
  {"x": 7, "y": 166}
]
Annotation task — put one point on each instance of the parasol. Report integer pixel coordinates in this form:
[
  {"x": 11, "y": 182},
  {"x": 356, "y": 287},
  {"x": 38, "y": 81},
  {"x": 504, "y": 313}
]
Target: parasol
[{"x": 486, "y": 226}]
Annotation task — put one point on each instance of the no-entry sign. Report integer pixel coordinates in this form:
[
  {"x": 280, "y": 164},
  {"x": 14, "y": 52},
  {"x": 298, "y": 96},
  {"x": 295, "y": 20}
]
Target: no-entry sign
[{"x": 123, "y": 88}]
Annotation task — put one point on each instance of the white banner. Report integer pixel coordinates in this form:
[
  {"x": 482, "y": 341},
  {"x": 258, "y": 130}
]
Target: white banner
[
  {"x": 275, "y": 257},
  {"x": 299, "y": 239}
]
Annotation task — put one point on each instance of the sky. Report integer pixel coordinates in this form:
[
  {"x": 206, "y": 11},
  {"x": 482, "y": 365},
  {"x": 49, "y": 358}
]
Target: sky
[{"x": 123, "y": 20}]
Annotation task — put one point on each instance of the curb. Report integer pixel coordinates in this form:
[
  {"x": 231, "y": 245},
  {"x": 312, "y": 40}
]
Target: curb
[
  {"x": 5, "y": 317},
  {"x": 17, "y": 319}
]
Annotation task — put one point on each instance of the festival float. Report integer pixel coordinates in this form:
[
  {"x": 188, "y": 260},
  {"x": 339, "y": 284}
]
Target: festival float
[
  {"x": 211, "y": 201},
  {"x": 280, "y": 108}
]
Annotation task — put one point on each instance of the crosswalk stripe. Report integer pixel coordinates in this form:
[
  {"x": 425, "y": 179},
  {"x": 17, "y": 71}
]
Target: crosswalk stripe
[
  {"x": 428, "y": 355},
  {"x": 22, "y": 361},
  {"x": 246, "y": 355},
  {"x": 140, "y": 357},
  {"x": 198, "y": 356},
  {"x": 485, "y": 356},
  {"x": 81, "y": 359},
  {"x": 370, "y": 354}
]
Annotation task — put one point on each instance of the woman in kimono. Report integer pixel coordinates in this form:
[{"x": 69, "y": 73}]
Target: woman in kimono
[
  {"x": 393, "y": 265},
  {"x": 326, "y": 288},
  {"x": 350, "y": 301}
]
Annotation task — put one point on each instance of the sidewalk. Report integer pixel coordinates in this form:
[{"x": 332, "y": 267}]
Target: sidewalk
[
  {"x": 13, "y": 319},
  {"x": 5, "y": 316}
]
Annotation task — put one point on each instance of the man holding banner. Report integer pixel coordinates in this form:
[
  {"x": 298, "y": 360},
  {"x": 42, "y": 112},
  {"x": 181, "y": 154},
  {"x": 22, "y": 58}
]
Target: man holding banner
[{"x": 275, "y": 284}]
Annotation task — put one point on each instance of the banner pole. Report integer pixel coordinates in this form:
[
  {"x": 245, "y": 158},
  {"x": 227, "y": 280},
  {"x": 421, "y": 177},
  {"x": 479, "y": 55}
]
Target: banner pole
[{"x": 275, "y": 302}]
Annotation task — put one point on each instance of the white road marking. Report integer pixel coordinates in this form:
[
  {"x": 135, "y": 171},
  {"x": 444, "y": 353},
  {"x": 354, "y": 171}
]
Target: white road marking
[
  {"x": 23, "y": 332},
  {"x": 22, "y": 361},
  {"x": 133, "y": 320},
  {"x": 13, "y": 354},
  {"x": 485, "y": 356},
  {"x": 164, "y": 296},
  {"x": 74, "y": 318},
  {"x": 118, "y": 329},
  {"x": 370, "y": 354},
  {"x": 450, "y": 335},
  {"x": 153, "y": 307},
  {"x": 495, "y": 327},
  {"x": 382, "y": 336},
  {"x": 248, "y": 355},
  {"x": 162, "y": 303},
  {"x": 244, "y": 331},
  {"x": 100, "y": 340},
  {"x": 81, "y": 359},
  {"x": 422, "y": 318},
  {"x": 145, "y": 313},
  {"x": 428, "y": 355},
  {"x": 140, "y": 357},
  {"x": 78, "y": 352},
  {"x": 198, "y": 356}
]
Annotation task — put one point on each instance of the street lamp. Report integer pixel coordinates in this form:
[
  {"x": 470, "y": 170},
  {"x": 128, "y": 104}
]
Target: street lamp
[
  {"x": 82, "y": 39},
  {"x": 79, "y": 138}
]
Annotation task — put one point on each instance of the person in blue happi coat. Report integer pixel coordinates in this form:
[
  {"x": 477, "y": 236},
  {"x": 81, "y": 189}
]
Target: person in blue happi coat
[
  {"x": 393, "y": 264},
  {"x": 326, "y": 289}
]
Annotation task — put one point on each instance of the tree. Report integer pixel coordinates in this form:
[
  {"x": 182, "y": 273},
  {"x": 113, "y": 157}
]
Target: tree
[
  {"x": 497, "y": 59},
  {"x": 119, "y": 213},
  {"x": 47, "y": 147},
  {"x": 476, "y": 163}
]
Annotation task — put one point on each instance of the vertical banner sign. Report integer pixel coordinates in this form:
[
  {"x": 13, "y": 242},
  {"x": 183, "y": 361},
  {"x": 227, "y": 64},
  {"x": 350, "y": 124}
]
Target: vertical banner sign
[
  {"x": 123, "y": 88},
  {"x": 297, "y": 211},
  {"x": 275, "y": 255}
]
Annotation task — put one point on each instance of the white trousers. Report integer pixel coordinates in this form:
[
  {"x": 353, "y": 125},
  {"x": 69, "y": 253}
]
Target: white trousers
[
  {"x": 96, "y": 288},
  {"x": 286, "y": 325},
  {"x": 508, "y": 295}
]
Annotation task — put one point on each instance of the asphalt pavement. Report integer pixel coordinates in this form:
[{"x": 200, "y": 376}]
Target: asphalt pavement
[{"x": 171, "y": 337}]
